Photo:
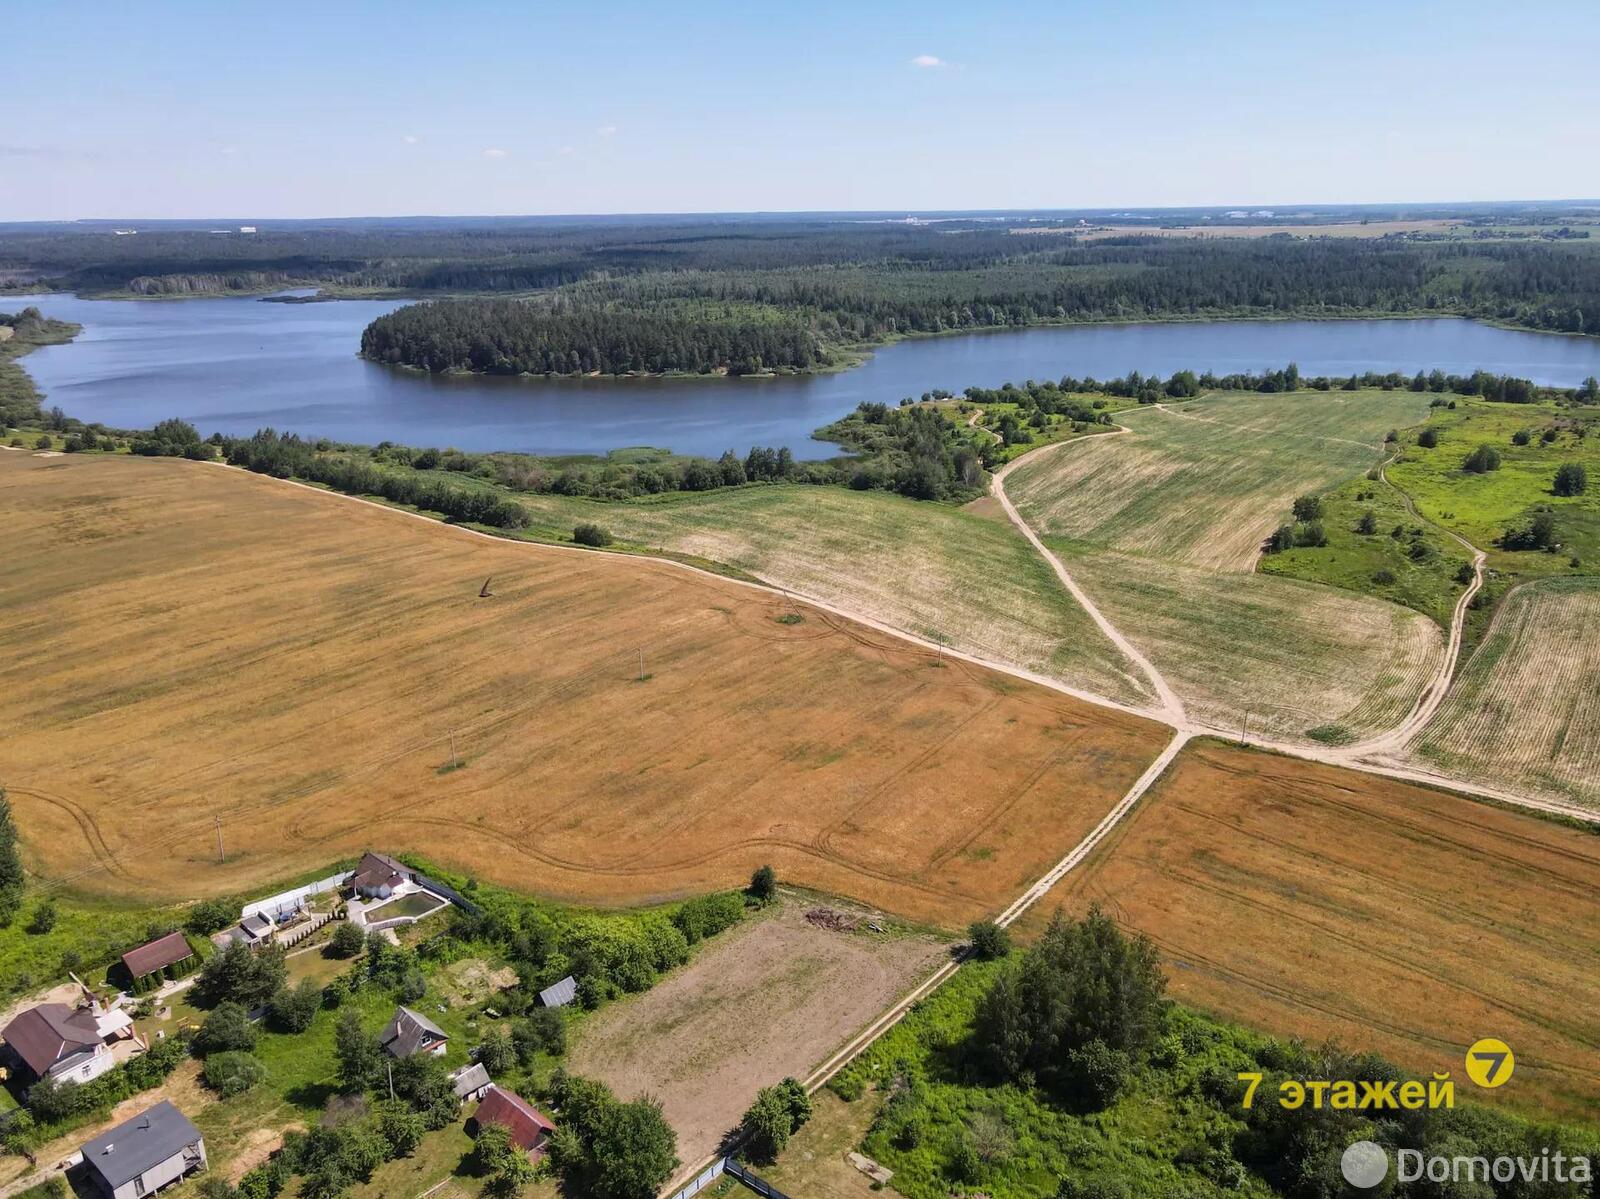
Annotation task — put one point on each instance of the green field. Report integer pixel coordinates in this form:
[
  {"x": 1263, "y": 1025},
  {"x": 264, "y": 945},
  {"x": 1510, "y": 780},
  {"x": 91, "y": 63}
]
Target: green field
[
  {"x": 1481, "y": 507},
  {"x": 1206, "y": 481},
  {"x": 1426, "y": 565},
  {"x": 1273, "y": 656},
  {"x": 1525, "y": 709}
]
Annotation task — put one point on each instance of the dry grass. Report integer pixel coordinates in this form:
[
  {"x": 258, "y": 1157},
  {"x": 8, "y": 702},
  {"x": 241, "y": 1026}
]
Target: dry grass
[
  {"x": 180, "y": 642},
  {"x": 766, "y": 1002},
  {"x": 1308, "y": 900},
  {"x": 1526, "y": 708},
  {"x": 931, "y": 570},
  {"x": 1293, "y": 656},
  {"x": 1205, "y": 483}
]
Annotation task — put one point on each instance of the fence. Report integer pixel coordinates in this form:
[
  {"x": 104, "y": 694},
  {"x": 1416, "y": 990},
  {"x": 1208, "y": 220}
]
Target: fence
[
  {"x": 289, "y": 901},
  {"x": 758, "y": 1185},
  {"x": 702, "y": 1180}
]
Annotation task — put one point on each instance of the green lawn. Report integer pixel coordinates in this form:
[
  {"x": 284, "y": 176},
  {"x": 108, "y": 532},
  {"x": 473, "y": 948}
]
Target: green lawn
[
  {"x": 1481, "y": 507},
  {"x": 90, "y": 934},
  {"x": 1426, "y": 578}
]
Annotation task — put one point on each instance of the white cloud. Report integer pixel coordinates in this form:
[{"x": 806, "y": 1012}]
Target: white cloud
[
  {"x": 607, "y": 131},
  {"x": 494, "y": 152},
  {"x": 567, "y": 150},
  {"x": 229, "y": 150},
  {"x": 928, "y": 60},
  {"x": 411, "y": 139}
]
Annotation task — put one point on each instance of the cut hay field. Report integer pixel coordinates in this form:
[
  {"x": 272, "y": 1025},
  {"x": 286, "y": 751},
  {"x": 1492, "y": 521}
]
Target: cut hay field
[
  {"x": 180, "y": 642},
  {"x": 1205, "y": 482},
  {"x": 1525, "y": 709},
  {"x": 1305, "y": 899},
  {"x": 770, "y": 999},
  {"x": 931, "y": 570},
  {"x": 1291, "y": 660}
]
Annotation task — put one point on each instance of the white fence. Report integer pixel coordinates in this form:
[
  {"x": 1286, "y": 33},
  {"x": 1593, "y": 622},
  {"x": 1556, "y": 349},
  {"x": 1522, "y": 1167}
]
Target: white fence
[
  {"x": 281, "y": 905},
  {"x": 702, "y": 1180}
]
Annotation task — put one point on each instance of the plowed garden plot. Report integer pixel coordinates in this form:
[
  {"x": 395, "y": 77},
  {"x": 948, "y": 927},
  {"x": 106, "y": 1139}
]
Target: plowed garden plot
[
  {"x": 1204, "y": 483},
  {"x": 1526, "y": 708},
  {"x": 181, "y": 642},
  {"x": 1305, "y": 899},
  {"x": 772, "y": 999}
]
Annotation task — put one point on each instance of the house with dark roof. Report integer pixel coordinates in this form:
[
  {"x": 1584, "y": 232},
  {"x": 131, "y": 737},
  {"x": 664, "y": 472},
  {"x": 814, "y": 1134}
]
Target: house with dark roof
[
  {"x": 470, "y": 1082},
  {"x": 410, "y": 1033},
  {"x": 158, "y": 956},
  {"x": 559, "y": 994},
  {"x": 530, "y": 1128},
  {"x": 378, "y": 876},
  {"x": 68, "y": 1044},
  {"x": 155, "y": 1149}
]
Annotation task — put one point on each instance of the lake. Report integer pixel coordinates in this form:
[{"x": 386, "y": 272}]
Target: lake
[{"x": 235, "y": 365}]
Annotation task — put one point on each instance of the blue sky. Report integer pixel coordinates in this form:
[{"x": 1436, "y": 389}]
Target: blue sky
[{"x": 343, "y": 108}]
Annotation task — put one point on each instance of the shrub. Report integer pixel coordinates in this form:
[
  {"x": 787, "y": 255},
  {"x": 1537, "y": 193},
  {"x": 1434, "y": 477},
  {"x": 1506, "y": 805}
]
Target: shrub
[
  {"x": 228, "y": 1027},
  {"x": 592, "y": 535},
  {"x": 293, "y": 1009},
  {"x": 347, "y": 941},
  {"x": 1282, "y": 539},
  {"x": 495, "y": 1052},
  {"x": 1482, "y": 460},
  {"x": 766, "y": 1126},
  {"x": 544, "y": 1030},
  {"x": 1311, "y": 534},
  {"x": 1384, "y": 577},
  {"x": 1428, "y": 438},
  {"x": 1308, "y": 507},
  {"x": 1368, "y": 524},
  {"x": 763, "y": 884},
  {"x": 233, "y": 1072},
  {"x": 707, "y": 915},
  {"x": 209, "y": 916},
  {"x": 44, "y": 918},
  {"x": 1521, "y": 437},
  {"x": 989, "y": 940},
  {"x": 1571, "y": 479}
]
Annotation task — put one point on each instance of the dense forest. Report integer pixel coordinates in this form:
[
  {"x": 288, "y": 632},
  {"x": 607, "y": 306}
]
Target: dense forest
[{"x": 742, "y": 294}]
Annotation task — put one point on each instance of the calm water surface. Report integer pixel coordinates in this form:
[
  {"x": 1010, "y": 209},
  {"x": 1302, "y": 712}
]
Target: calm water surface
[{"x": 234, "y": 365}]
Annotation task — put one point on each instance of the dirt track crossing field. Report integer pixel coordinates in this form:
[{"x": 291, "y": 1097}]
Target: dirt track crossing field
[
  {"x": 182, "y": 641},
  {"x": 1308, "y": 900}
]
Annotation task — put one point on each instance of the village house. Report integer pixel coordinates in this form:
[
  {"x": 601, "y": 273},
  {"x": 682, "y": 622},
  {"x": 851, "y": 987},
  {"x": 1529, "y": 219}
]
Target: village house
[
  {"x": 378, "y": 876},
  {"x": 67, "y": 1044},
  {"x": 155, "y": 1149},
  {"x": 470, "y": 1082},
  {"x": 530, "y": 1128},
  {"x": 410, "y": 1033}
]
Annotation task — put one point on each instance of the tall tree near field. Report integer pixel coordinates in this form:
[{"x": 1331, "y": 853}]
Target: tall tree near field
[{"x": 11, "y": 880}]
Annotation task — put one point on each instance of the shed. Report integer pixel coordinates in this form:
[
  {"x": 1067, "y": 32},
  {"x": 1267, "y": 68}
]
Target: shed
[
  {"x": 470, "y": 1082},
  {"x": 529, "y": 1127},
  {"x": 155, "y": 1148},
  {"x": 157, "y": 955},
  {"x": 559, "y": 994}
]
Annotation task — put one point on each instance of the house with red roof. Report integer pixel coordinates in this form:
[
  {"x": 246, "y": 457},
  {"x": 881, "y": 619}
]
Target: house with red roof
[{"x": 530, "y": 1128}]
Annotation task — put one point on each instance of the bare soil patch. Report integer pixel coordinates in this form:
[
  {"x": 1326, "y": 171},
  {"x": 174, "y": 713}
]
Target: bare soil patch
[
  {"x": 770, "y": 1000},
  {"x": 1318, "y": 902},
  {"x": 298, "y": 665}
]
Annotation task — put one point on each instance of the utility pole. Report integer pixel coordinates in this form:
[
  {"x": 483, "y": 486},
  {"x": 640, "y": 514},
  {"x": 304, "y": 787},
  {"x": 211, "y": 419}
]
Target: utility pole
[
  {"x": 391, "y": 1082},
  {"x": 1244, "y": 726},
  {"x": 641, "y": 663},
  {"x": 219, "y": 838},
  {"x": 453, "y": 762}
]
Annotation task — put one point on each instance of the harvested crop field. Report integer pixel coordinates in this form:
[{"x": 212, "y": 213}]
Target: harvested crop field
[
  {"x": 768, "y": 1000},
  {"x": 928, "y": 569},
  {"x": 182, "y": 642},
  {"x": 1525, "y": 710},
  {"x": 1283, "y": 658},
  {"x": 1305, "y": 899},
  {"x": 1205, "y": 482}
]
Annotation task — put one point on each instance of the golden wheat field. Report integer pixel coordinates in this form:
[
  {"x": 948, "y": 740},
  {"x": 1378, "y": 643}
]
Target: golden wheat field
[
  {"x": 183, "y": 642},
  {"x": 1526, "y": 707},
  {"x": 1309, "y": 900}
]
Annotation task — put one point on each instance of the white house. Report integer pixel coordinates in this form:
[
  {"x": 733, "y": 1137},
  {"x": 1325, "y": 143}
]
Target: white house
[
  {"x": 67, "y": 1044},
  {"x": 411, "y": 1033}
]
